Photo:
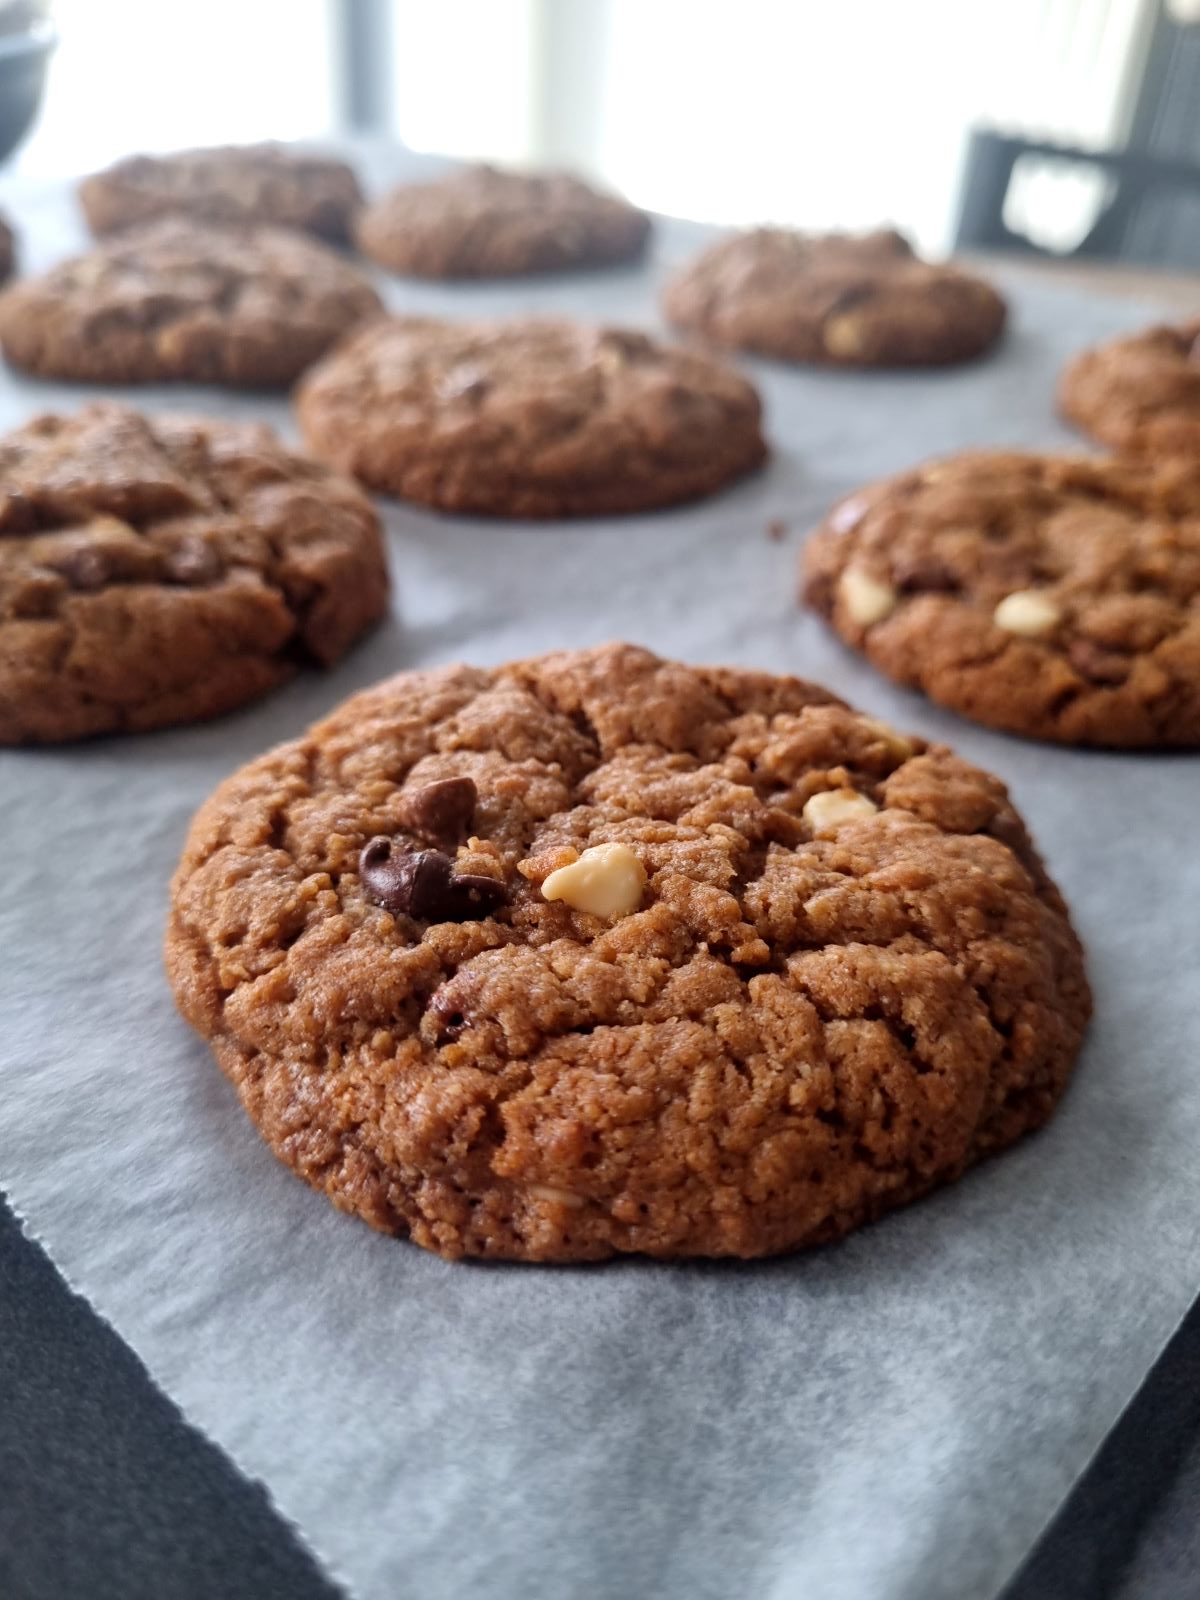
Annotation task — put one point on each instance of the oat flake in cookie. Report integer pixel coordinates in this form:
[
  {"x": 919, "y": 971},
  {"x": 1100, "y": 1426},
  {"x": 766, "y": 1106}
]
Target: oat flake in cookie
[
  {"x": 1044, "y": 595},
  {"x": 597, "y": 953},
  {"x": 160, "y": 570},
  {"x": 863, "y": 301},
  {"x": 1140, "y": 394},
  {"x": 529, "y": 418},
  {"x": 482, "y": 223},
  {"x": 231, "y": 184},
  {"x": 186, "y": 301}
]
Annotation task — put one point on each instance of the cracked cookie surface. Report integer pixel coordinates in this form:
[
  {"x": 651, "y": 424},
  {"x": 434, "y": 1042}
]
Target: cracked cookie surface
[
  {"x": 1044, "y": 595},
  {"x": 809, "y": 1013},
  {"x": 852, "y": 300},
  {"x": 186, "y": 301},
  {"x": 483, "y": 223},
  {"x": 529, "y": 418},
  {"x": 1139, "y": 394},
  {"x": 231, "y": 184},
  {"x": 161, "y": 570}
]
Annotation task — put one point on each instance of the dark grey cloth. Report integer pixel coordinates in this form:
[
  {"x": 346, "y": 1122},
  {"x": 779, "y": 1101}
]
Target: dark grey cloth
[
  {"x": 1131, "y": 1528},
  {"x": 106, "y": 1491}
]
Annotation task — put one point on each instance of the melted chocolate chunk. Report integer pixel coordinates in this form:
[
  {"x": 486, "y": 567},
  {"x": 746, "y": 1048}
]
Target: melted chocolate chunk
[
  {"x": 193, "y": 561},
  {"x": 817, "y": 592},
  {"x": 449, "y": 1018},
  {"x": 443, "y": 811},
  {"x": 17, "y": 513},
  {"x": 423, "y": 884},
  {"x": 85, "y": 568},
  {"x": 926, "y": 575},
  {"x": 1097, "y": 664}
]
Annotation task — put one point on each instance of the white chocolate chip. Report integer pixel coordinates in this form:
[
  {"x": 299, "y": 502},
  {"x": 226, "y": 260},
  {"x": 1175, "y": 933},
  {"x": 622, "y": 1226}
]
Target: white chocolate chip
[
  {"x": 607, "y": 880},
  {"x": 1028, "y": 612},
  {"x": 845, "y": 335},
  {"x": 833, "y": 808},
  {"x": 896, "y": 742},
  {"x": 558, "y": 1197},
  {"x": 867, "y": 599}
]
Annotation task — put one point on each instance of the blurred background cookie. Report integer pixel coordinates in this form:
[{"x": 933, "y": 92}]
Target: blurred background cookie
[
  {"x": 1140, "y": 394},
  {"x": 1045, "y": 595},
  {"x": 484, "y": 223},
  {"x": 231, "y": 183},
  {"x": 161, "y": 570},
  {"x": 529, "y": 418},
  {"x": 186, "y": 301},
  {"x": 854, "y": 301}
]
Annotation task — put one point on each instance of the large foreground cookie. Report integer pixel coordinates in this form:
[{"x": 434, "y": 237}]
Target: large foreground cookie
[
  {"x": 1140, "y": 394},
  {"x": 530, "y": 418},
  {"x": 159, "y": 570},
  {"x": 186, "y": 301},
  {"x": 1047, "y": 596},
  {"x": 850, "y": 300},
  {"x": 597, "y": 953},
  {"x": 481, "y": 223},
  {"x": 232, "y": 184}
]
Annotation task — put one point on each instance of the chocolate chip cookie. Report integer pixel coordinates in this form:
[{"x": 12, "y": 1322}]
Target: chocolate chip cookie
[
  {"x": 481, "y": 223},
  {"x": 597, "y": 953},
  {"x": 860, "y": 301},
  {"x": 529, "y": 418},
  {"x": 1047, "y": 596},
  {"x": 183, "y": 301},
  {"x": 233, "y": 184},
  {"x": 1140, "y": 394},
  {"x": 156, "y": 570}
]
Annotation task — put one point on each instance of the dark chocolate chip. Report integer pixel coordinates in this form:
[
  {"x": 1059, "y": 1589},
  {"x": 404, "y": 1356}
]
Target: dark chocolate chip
[
  {"x": 17, "y": 514},
  {"x": 423, "y": 884},
  {"x": 85, "y": 567},
  {"x": 449, "y": 1017},
  {"x": 193, "y": 561},
  {"x": 464, "y": 383},
  {"x": 1097, "y": 664},
  {"x": 443, "y": 811},
  {"x": 620, "y": 345},
  {"x": 850, "y": 298},
  {"x": 818, "y": 593},
  {"x": 924, "y": 575}
]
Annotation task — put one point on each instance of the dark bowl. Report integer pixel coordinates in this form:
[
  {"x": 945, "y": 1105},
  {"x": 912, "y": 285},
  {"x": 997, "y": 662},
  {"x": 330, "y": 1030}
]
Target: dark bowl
[{"x": 23, "y": 61}]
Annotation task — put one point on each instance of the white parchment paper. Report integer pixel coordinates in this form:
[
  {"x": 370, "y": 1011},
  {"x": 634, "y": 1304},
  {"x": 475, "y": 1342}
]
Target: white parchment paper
[{"x": 894, "y": 1417}]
